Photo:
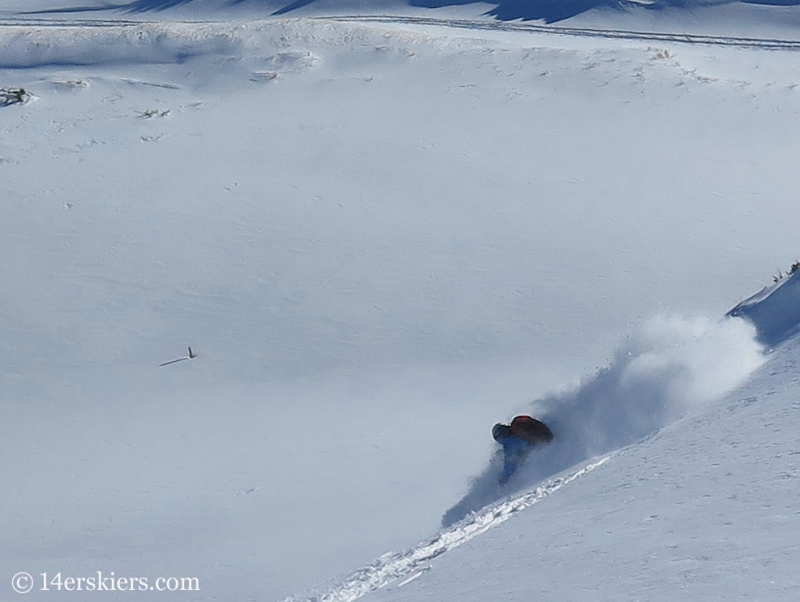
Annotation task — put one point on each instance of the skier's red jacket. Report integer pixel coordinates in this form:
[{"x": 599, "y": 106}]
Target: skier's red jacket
[{"x": 530, "y": 429}]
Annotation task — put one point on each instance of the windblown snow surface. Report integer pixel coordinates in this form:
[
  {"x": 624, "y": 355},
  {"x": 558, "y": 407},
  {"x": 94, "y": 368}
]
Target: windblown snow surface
[{"x": 382, "y": 231}]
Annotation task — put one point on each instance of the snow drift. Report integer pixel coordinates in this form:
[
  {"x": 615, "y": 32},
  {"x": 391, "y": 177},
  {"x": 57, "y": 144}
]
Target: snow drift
[{"x": 669, "y": 366}]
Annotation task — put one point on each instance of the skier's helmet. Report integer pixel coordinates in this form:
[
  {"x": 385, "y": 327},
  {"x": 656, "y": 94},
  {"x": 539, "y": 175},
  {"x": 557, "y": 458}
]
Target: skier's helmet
[{"x": 500, "y": 431}]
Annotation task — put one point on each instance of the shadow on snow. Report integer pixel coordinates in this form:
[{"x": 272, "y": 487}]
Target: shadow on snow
[{"x": 549, "y": 11}]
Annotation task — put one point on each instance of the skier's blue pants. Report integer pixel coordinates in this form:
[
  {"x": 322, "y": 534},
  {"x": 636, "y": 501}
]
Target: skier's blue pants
[{"x": 515, "y": 449}]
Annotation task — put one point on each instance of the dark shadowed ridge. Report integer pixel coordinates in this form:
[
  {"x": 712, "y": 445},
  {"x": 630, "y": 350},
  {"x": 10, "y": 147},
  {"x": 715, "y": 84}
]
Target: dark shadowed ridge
[
  {"x": 549, "y": 11},
  {"x": 527, "y": 10},
  {"x": 141, "y": 6},
  {"x": 774, "y": 310},
  {"x": 72, "y": 9}
]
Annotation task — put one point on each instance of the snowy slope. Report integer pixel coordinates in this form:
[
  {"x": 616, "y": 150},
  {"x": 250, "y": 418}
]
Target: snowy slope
[
  {"x": 380, "y": 237},
  {"x": 705, "y": 506},
  {"x": 775, "y": 310}
]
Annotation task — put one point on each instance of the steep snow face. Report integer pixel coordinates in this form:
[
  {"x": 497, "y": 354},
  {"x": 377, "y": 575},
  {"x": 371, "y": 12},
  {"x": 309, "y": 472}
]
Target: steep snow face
[
  {"x": 707, "y": 506},
  {"x": 774, "y": 310}
]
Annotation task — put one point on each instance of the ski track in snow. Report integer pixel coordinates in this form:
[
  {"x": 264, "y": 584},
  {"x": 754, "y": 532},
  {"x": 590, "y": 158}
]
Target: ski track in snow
[
  {"x": 615, "y": 34},
  {"x": 411, "y": 564}
]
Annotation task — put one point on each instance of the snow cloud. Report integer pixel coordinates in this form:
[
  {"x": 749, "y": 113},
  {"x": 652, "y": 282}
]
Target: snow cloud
[{"x": 658, "y": 374}]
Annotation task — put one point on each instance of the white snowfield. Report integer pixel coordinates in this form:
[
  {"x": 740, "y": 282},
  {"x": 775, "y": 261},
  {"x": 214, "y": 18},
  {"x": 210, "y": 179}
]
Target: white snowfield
[{"x": 378, "y": 229}]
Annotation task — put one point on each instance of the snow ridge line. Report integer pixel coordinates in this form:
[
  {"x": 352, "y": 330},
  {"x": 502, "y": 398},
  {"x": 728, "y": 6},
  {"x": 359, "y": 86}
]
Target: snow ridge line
[
  {"x": 410, "y": 564},
  {"x": 472, "y": 24},
  {"x": 616, "y": 34}
]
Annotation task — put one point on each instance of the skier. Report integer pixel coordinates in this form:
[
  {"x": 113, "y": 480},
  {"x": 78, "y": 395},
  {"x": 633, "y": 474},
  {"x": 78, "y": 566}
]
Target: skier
[{"x": 518, "y": 439}]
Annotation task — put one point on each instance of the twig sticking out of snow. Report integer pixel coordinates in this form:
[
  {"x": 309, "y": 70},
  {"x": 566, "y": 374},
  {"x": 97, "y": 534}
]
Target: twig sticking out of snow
[
  {"x": 150, "y": 113},
  {"x": 191, "y": 356}
]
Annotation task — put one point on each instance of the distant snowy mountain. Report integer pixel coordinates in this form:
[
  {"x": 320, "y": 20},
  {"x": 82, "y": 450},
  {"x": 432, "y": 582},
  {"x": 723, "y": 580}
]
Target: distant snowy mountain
[{"x": 742, "y": 14}]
